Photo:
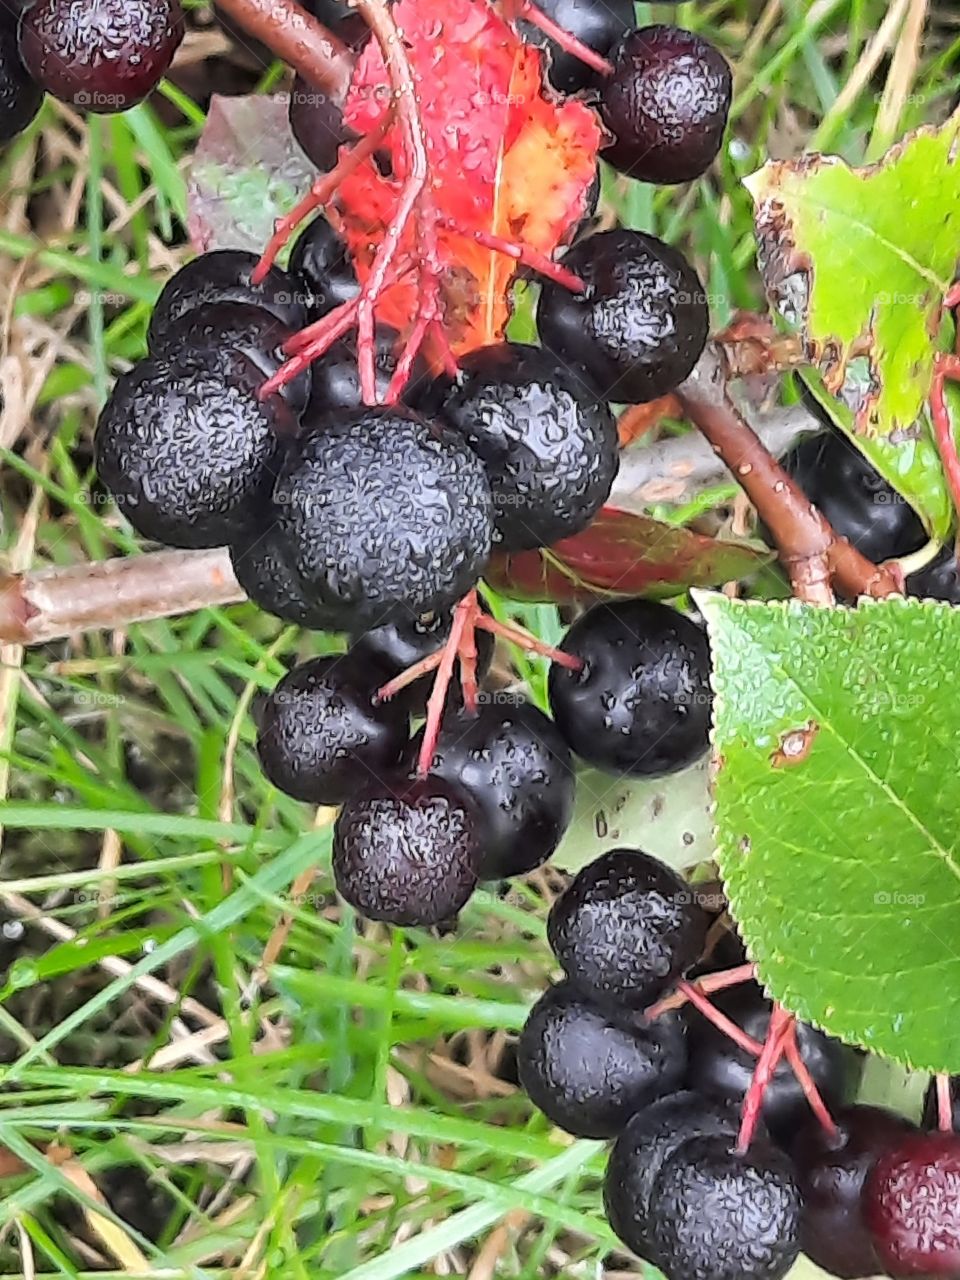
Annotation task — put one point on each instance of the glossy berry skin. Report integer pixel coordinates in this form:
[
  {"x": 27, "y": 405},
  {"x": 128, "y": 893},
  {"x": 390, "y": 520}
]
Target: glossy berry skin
[
  {"x": 322, "y": 736},
  {"x": 931, "y": 1108},
  {"x": 316, "y": 121},
  {"x": 320, "y": 261},
  {"x": 854, "y": 497},
  {"x": 939, "y": 580},
  {"x": 549, "y": 447},
  {"x": 832, "y": 1173},
  {"x": 336, "y": 375},
  {"x": 640, "y": 705},
  {"x": 912, "y": 1206},
  {"x": 101, "y": 55},
  {"x": 20, "y": 95},
  {"x": 666, "y": 104},
  {"x": 716, "y": 1215},
  {"x": 626, "y": 927},
  {"x": 518, "y": 771},
  {"x": 652, "y": 1137},
  {"x": 249, "y": 329},
  {"x": 386, "y": 515},
  {"x": 721, "y": 1069},
  {"x": 402, "y": 643},
  {"x": 596, "y": 23},
  {"x": 407, "y": 853},
  {"x": 224, "y": 276},
  {"x": 590, "y": 1069},
  {"x": 641, "y": 323},
  {"x": 186, "y": 448},
  {"x": 261, "y": 562}
]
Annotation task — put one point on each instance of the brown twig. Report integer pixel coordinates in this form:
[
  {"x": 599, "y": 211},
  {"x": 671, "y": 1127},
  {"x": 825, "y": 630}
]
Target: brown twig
[
  {"x": 814, "y": 556},
  {"x": 297, "y": 38}
]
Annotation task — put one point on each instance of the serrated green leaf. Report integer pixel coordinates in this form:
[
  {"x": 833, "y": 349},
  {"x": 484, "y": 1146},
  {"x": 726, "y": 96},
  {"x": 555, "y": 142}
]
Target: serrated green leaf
[
  {"x": 837, "y": 745},
  {"x": 860, "y": 260}
]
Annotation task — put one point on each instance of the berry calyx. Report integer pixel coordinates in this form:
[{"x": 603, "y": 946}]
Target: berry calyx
[
  {"x": 408, "y": 852},
  {"x": 666, "y": 104},
  {"x": 832, "y": 1171},
  {"x": 517, "y": 769},
  {"x": 912, "y": 1206},
  {"x": 640, "y": 323},
  {"x": 20, "y": 95},
  {"x": 224, "y": 275},
  {"x": 590, "y": 1069},
  {"x": 187, "y": 448},
  {"x": 548, "y": 446},
  {"x": 102, "y": 55},
  {"x": 640, "y": 702},
  {"x": 385, "y": 515},
  {"x": 626, "y": 927},
  {"x": 321, "y": 734}
]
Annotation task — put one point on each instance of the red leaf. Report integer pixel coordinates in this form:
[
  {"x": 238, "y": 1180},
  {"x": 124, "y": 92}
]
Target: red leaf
[
  {"x": 623, "y": 554},
  {"x": 504, "y": 159}
]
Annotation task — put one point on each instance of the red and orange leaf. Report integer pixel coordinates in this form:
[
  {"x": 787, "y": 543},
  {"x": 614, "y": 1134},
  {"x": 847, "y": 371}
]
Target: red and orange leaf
[
  {"x": 504, "y": 159},
  {"x": 623, "y": 554}
]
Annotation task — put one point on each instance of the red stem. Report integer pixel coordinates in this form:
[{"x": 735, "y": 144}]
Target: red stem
[
  {"x": 944, "y": 1104},
  {"x": 707, "y": 985},
  {"x": 947, "y": 370},
  {"x": 808, "y": 1084},
  {"x": 720, "y": 1020},
  {"x": 561, "y": 37},
  {"x": 462, "y": 618},
  {"x": 774, "y": 1046},
  {"x": 524, "y": 640},
  {"x": 410, "y": 676},
  {"x": 522, "y": 253}
]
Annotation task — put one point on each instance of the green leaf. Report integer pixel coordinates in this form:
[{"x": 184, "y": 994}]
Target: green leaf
[
  {"x": 860, "y": 260},
  {"x": 837, "y": 751}
]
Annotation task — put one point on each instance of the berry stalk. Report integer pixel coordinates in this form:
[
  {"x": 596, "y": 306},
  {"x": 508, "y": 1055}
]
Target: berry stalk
[{"x": 297, "y": 38}]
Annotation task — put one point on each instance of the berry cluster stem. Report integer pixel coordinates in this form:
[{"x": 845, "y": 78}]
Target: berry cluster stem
[
  {"x": 297, "y": 38},
  {"x": 560, "y": 37},
  {"x": 944, "y": 1104},
  {"x": 774, "y": 1047}
]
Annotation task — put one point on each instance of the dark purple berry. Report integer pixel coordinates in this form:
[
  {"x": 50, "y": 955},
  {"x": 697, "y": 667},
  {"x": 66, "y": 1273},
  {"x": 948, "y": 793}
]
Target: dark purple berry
[
  {"x": 912, "y": 1206},
  {"x": 832, "y": 1171},
  {"x": 590, "y": 1069},
  {"x": 336, "y": 375},
  {"x": 316, "y": 120},
  {"x": 321, "y": 261},
  {"x": 939, "y": 580},
  {"x": 261, "y": 562},
  {"x": 322, "y": 736},
  {"x": 596, "y": 23},
  {"x": 640, "y": 704},
  {"x": 101, "y": 55},
  {"x": 397, "y": 646},
  {"x": 518, "y": 771},
  {"x": 20, "y": 95},
  {"x": 626, "y": 927},
  {"x": 243, "y": 326},
  {"x": 549, "y": 447},
  {"x": 721, "y": 1069},
  {"x": 385, "y": 515},
  {"x": 666, "y": 104},
  {"x": 223, "y": 275},
  {"x": 188, "y": 450},
  {"x": 651, "y": 1137},
  {"x": 407, "y": 852},
  {"x": 717, "y": 1215},
  {"x": 641, "y": 323}
]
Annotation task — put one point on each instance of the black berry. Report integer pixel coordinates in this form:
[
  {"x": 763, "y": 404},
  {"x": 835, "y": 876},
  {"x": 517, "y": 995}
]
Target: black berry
[
  {"x": 939, "y": 580},
  {"x": 101, "y": 55},
  {"x": 316, "y": 121},
  {"x": 912, "y": 1206},
  {"x": 398, "y": 645},
  {"x": 666, "y": 104},
  {"x": 549, "y": 447},
  {"x": 320, "y": 261},
  {"x": 243, "y": 326},
  {"x": 386, "y": 515},
  {"x": 224, "y": 276},
  {"x": 262, "y": 564},
  {"x": 590, "y": 1069},
  {"x": 721, "y": 1069},
  {"x": 20, "y": 95},
  {"x": 596, "y": 23},
  {"x": 321, "y": 734},
  {"x": 186, "y": 448},
  {"x": 407, "y": 852},
  {"x": 651, "y": 1137},
  {"x": 640, "y": 704},
  {"x": 854, "y": 497},
  {"x": 517, "y": 769},
  {"x": 626, "y": 927},
  {"x": 641, "y": 323},
  {"x": 336, "y": 375},
  {"x": 832, "y": 1171},
  {"x": 717, "y": 1215}
]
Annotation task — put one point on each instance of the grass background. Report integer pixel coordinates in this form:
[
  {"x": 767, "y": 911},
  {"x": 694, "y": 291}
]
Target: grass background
[{"x": 165, "y": 1110}]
